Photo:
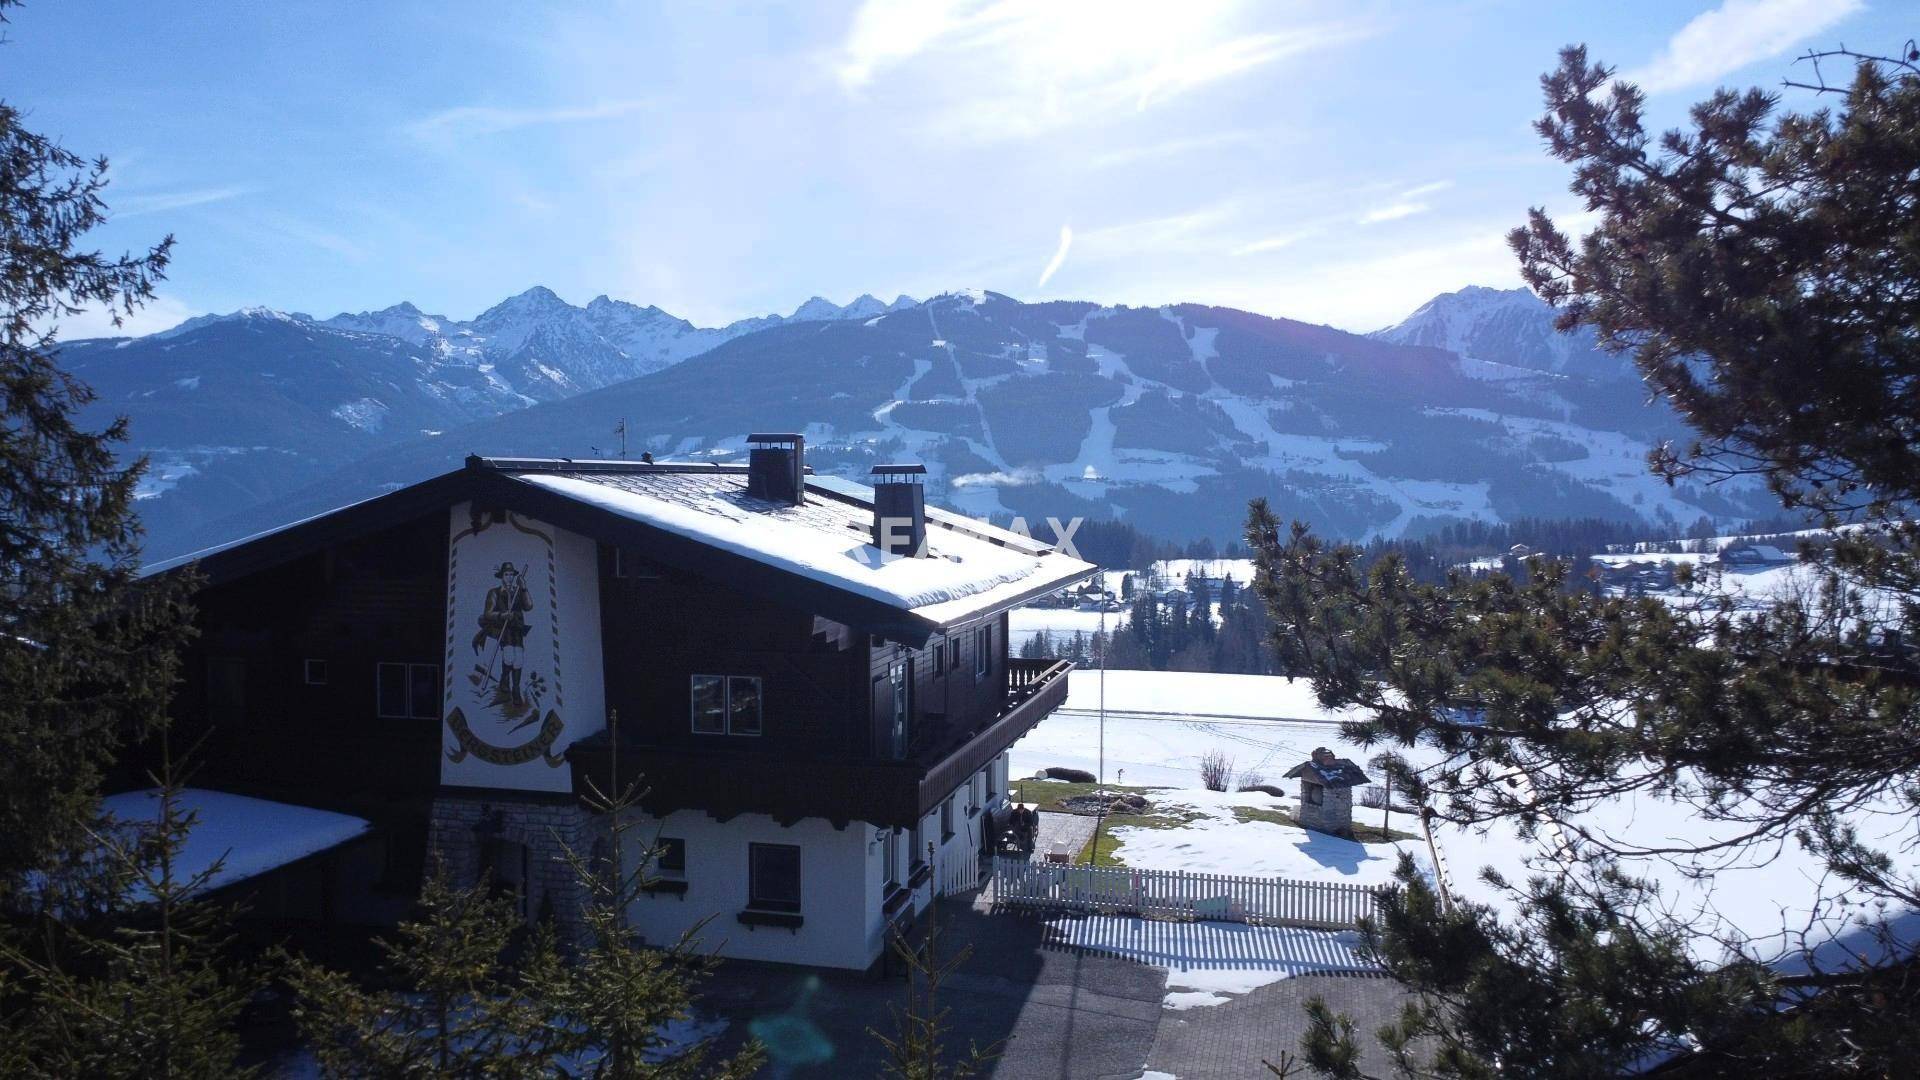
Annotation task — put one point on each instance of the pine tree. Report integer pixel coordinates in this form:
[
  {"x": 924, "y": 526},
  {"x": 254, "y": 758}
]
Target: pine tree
[
  {"x": 457, "y": 1007},
  {"x": 149, "y": 991},
  {"x": 917, "y": 1050},
  {"x": 87, "y": 655},
  {"x": 615, "y": 997},
  {"x": 1765, "y": 273}
]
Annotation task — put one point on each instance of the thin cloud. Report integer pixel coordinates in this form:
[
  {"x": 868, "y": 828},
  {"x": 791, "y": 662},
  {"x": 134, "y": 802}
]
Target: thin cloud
[
  {"x": 1733, "y": 35},
  {"x": 158, "y": 202},
  {"x": 1006, "y": 69},
  {"x": 1169, "y": 148},
  {"x": 1405, "y": 205},
  {"x": 1059, "y": 256},
  {"x": 1393, "y": 212},
  {"x": 1274, "y": 243},
  {"x": 477, "y": 121}
]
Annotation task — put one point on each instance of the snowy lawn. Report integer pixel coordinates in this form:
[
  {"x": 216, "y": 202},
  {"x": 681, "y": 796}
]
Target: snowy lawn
[
  {"x": 1245, "y": 833},
  {"x": 1209, "y": 963}
]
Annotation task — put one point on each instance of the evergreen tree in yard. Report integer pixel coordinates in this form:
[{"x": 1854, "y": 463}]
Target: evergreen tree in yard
[
  {"x": 86, "y": 657},
  {"x": 1764, "y": 270},
  {"x": 149, "y": 994},
  {"x": 457, "y": 1008},
  {"x": 617, "y": 999},
  {"x": 917, "y": 1050}
]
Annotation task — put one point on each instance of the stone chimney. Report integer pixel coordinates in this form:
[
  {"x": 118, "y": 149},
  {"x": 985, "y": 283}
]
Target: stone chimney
[
  {"x": 777, "y": 467},
  {"x": 900, "y": 509}
]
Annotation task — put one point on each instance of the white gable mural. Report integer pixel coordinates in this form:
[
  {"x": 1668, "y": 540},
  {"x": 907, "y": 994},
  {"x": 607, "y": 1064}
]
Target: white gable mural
[{"x": 523, "y": 675}]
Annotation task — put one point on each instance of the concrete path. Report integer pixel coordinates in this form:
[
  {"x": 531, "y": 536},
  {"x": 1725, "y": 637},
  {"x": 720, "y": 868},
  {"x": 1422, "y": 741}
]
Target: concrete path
[{"x": 1070, "y": 830}]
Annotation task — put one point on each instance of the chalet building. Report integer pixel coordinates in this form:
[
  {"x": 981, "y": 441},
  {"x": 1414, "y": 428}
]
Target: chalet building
[{"x": 811, "y": 676}]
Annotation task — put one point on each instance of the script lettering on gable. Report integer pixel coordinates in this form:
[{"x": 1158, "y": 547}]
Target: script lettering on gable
[{"x": 503, "y": 702}]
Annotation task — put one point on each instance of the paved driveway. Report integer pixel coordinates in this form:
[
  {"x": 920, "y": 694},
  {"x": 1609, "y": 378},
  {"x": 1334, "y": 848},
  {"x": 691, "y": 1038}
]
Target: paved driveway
[{"x": 1058, "y": 1001}]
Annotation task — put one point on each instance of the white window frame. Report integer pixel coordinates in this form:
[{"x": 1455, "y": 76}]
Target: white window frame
[{"x": 982, "y": 642}]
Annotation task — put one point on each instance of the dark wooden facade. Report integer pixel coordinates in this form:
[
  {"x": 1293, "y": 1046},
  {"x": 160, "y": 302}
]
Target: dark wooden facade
[{"x": 352, "y": 600}]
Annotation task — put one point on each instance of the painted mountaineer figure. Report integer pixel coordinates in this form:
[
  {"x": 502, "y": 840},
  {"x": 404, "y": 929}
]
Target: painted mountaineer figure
[{"x": 503, "y": 621}]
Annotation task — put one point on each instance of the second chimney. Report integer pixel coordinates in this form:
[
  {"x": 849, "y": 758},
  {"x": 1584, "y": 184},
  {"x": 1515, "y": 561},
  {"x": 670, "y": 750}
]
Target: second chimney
[
  {"x": 777, "y": 467},
  {"x": 900, "y": 509}
]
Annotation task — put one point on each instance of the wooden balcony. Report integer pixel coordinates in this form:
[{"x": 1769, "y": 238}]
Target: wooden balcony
[{"x": 838, "y": 788}]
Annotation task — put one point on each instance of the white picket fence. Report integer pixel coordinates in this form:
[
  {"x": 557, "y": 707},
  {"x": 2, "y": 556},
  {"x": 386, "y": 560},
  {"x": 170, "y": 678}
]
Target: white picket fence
[{"x": 1119, "y": 890}]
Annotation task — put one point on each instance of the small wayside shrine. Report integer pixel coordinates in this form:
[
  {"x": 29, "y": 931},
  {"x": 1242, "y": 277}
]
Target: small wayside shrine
[{"x": 1326, "y": 791}]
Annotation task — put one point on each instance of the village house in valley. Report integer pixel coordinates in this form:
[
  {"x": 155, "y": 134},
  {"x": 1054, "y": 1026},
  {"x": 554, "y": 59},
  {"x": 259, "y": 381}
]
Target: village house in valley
[{"x": 811, "y": 677}]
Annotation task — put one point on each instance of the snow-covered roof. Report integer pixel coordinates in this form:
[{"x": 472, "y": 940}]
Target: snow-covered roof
[
  {"x": 969, "y": 567},
  {"x": 253, "y": 836}
]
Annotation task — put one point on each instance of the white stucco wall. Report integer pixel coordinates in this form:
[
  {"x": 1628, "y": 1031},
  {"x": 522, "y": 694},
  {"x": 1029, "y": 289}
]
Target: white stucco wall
[
  {"x": 842, "y": 881},
  {"x": 839, "y": 889},
  {"x": 562, "y": 648}
]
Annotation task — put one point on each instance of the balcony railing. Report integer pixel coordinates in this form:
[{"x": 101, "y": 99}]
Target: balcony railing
[{"x": 841, "y": 789}]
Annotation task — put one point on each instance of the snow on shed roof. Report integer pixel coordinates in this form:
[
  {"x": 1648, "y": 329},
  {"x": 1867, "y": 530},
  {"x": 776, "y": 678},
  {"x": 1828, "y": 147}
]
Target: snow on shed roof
[
  {"x": 970, "y": 567},
  {"x": 253, "y": 836}
]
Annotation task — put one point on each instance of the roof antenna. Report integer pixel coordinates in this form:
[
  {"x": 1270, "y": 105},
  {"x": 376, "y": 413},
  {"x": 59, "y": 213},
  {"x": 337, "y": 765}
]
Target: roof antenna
[{"x": 620, "y": 429}]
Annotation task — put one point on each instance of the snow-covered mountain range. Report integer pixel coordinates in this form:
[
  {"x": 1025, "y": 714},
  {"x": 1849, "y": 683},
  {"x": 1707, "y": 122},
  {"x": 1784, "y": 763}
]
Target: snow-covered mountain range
[{"x": 1169, "y": 417}]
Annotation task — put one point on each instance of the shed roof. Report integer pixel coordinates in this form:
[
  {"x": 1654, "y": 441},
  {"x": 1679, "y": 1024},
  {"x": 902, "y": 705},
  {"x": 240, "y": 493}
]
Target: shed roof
[{"x": 1338, "y": 773}]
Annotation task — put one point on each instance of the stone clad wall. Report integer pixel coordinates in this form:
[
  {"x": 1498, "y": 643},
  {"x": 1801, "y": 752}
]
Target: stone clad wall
[
  {"x": 542, "y": 826},
  {"x": 1333, "y": 815}
]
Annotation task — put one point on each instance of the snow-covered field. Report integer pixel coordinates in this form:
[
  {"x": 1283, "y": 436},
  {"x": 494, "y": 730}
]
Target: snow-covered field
[
  {"x": 1059, "y": 622},
  {"x": 1218, "y": 842}
]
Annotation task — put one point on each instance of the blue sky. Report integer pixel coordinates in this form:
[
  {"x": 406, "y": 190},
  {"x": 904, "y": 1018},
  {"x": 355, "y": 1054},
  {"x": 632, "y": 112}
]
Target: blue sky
[{"x": 1338, "y": 162}]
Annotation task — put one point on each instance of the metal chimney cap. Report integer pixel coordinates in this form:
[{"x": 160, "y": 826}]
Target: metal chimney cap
[
  {"x": 775, "y": 437},
  {"x": 911, "y": 470}
]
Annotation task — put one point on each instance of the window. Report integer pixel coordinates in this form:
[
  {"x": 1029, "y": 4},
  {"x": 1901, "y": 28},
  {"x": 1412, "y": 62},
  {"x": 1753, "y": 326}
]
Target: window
[
  {"x": 946, "y": 820},
  {"x": 974, "y": 801},
  {"x": 917, "y": 843},
  {"x": 423, "y": 691},
  {"x": 939, "y": 650},
  {"x": 709, "y": 705},
  {"x": 982, "y": 644},
  {"x": 891, "y": 848},
  {"x": 1314, "y": 794},
  {"x": 773, "y": 877},
  {"x": 993, "y": 777},
  {"x": 316, "y": 673},
  {"x": 407, "y": 691},
  {"x": 670, "y": 857},
  {"x": 743, "y": 705},
  {"x": 953, "y": 653},
  {"x": 726, "y": 704}
]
